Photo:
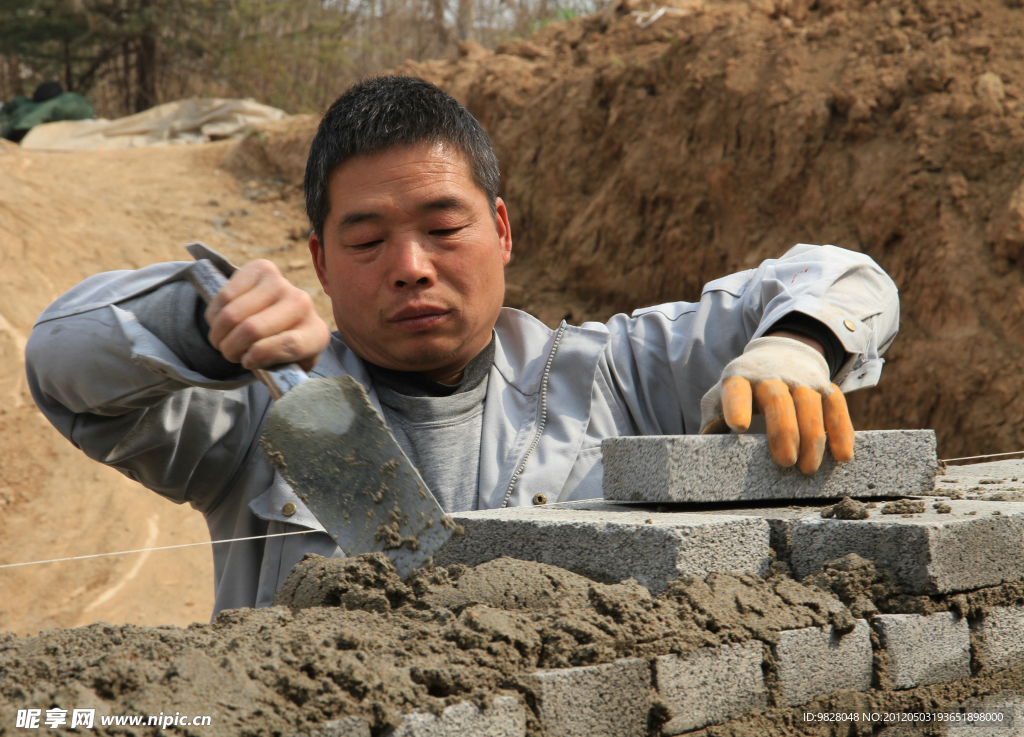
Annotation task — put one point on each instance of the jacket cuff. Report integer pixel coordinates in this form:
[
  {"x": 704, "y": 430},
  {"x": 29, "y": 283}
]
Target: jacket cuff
[
  {"x": 863, "y": 365},
  {"x": 174, "y": 314},
  {"x": 854, "y": 335},
  {"x": 149, "y": 351},
  {"x": 797, "y": 322}
]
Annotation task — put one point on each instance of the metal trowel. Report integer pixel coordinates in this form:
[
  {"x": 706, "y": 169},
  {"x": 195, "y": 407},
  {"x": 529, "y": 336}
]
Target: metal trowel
[{"x": 339, "y": 457}]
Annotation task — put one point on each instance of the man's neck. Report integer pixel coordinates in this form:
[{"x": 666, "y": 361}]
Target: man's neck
[
  {"x": 416, "y": 384},
  {"x": 447, "y": 377}
]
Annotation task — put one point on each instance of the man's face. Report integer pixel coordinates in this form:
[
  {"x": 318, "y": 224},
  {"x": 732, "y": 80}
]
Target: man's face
[{"x": 413, "y": 260}]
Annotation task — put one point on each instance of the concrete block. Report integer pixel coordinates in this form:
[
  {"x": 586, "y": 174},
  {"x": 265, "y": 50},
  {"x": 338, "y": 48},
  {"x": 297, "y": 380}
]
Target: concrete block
[
  {"x": 781, "y": 521},
  {"x": 816, "y": 661},
  {"x": 976, "y": 544},
  {"x": 610, "y": 700},
  {"x": 610, "y": 542},
  {"x": 721, "y": 468},
  {"x": 1002, "y": 637},
  {"x": 710, "y": 685},
  {"x": 924, "y": 649},
  {"x": 506, "y": 717}
]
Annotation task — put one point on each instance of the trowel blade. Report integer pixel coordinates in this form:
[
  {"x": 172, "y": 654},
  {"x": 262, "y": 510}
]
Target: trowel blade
[{"x": 342, "y": 461}]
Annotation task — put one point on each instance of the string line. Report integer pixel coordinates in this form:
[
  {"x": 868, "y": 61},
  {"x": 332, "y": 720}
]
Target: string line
[
  {"x": 306, "y": 532},
  {"x": 989, "y": 455},
  {"x": 146, "y": 550}
]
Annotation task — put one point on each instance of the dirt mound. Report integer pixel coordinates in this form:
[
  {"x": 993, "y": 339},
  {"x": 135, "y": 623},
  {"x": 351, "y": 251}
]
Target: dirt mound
[
  {"x": 274, "y": 150},
  {"x": 642, "y": 159},
  {"x": 640, "y": 162},
  {"x": 383, "y": 648}
]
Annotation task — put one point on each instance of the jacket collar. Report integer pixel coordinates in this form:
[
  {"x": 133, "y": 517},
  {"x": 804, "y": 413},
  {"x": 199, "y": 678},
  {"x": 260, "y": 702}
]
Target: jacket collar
[
  {"x": 516, "y": 356},
  {"x": 532, "y": 442},
  {"x": 523, "y": 346}
]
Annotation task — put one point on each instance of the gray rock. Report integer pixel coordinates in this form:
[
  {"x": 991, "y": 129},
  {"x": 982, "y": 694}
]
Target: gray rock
[
  {"x": 611, "y": 542},
  {"x": 710, "y": 685},
  {"x": 924, "y": 649},
  {"x": 707, "y": 468},
  {"x": 817, "y": 661},
  {"x": 611, "y": 700}
]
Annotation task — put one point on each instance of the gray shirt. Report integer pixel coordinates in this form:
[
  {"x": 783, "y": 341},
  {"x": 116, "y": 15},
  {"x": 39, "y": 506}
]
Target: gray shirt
[
  {"x": 439, "y": 425},
  {"x": 441, "y": 436}
]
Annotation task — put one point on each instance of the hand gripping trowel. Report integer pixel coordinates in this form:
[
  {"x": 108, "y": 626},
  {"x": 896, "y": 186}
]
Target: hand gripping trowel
[{"x": 339, "y": 457}]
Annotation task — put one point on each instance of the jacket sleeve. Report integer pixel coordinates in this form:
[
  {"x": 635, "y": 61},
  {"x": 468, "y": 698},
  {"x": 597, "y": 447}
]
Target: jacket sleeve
[
  {"x": 121, "y": 395},
  {"x": 663, "y": 359}
]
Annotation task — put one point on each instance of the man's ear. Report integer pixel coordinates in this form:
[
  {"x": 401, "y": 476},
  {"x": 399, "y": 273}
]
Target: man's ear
[
  {"x": 319, "y": 261},
  {"x": 504, "y": 230}
]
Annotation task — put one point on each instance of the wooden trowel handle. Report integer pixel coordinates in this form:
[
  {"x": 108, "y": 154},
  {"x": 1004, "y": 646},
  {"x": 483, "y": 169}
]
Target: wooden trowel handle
[{"x": 208, "y": 280}]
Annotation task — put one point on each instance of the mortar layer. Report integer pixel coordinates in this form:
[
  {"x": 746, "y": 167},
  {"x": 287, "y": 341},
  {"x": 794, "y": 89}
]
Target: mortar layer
[
  {"x": 868, "y": 588},
  {"x": 995, "y": 481},
  {"x": 354, "y": 640}
]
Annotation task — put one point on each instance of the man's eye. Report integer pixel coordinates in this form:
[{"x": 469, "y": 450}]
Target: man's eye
[
  {"x": 368, "y": 244},
  {"x": 445, "y": 231}
]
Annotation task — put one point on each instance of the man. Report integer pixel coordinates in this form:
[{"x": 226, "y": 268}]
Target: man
[{"x": 410, "y": 241}]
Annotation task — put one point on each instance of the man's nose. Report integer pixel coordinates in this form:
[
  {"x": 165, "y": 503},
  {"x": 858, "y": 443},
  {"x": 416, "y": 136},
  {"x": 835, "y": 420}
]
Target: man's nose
[{"x": 411, "y": 264}]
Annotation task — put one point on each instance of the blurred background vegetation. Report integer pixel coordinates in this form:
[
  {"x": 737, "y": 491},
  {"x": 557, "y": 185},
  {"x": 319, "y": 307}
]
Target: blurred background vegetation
[{"x": 298, "y": 55}]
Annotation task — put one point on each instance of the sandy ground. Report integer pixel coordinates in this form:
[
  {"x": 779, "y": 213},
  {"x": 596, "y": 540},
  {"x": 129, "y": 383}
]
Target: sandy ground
[{"x": 63, "y": 217}]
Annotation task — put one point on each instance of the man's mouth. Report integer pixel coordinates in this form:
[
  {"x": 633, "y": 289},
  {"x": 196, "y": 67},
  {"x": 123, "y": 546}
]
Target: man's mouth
[{"x": 418, "y": 318}]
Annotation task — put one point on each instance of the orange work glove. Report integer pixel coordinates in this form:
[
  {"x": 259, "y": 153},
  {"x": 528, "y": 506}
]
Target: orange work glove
[{"x": 788, "y": 382}]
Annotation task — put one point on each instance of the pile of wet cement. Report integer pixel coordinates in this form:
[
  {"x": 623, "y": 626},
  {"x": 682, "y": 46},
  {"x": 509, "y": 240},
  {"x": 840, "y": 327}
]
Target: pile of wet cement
[{"x": 350, "y": 638}]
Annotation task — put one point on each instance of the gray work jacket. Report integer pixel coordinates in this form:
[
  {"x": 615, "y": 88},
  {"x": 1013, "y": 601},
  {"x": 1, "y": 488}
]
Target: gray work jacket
[{"x": 118, "y": 393}]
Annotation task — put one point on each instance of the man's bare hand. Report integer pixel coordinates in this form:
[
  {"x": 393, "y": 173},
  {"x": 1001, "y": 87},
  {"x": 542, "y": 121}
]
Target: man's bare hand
[
  {"x": 260, "y": 319},
  {"x": 788, "y": 383}
]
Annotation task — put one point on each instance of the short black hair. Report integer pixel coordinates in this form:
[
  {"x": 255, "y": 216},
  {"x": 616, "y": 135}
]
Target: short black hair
[{"x": 387, "y": 112}]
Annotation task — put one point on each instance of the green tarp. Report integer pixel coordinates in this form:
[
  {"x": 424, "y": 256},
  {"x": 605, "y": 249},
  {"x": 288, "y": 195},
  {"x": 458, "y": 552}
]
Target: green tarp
[{"x": 20, "y": 115}]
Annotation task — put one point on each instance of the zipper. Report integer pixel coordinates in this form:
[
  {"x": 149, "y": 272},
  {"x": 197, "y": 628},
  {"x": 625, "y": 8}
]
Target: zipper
[{"x": 543, "y": 414}]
